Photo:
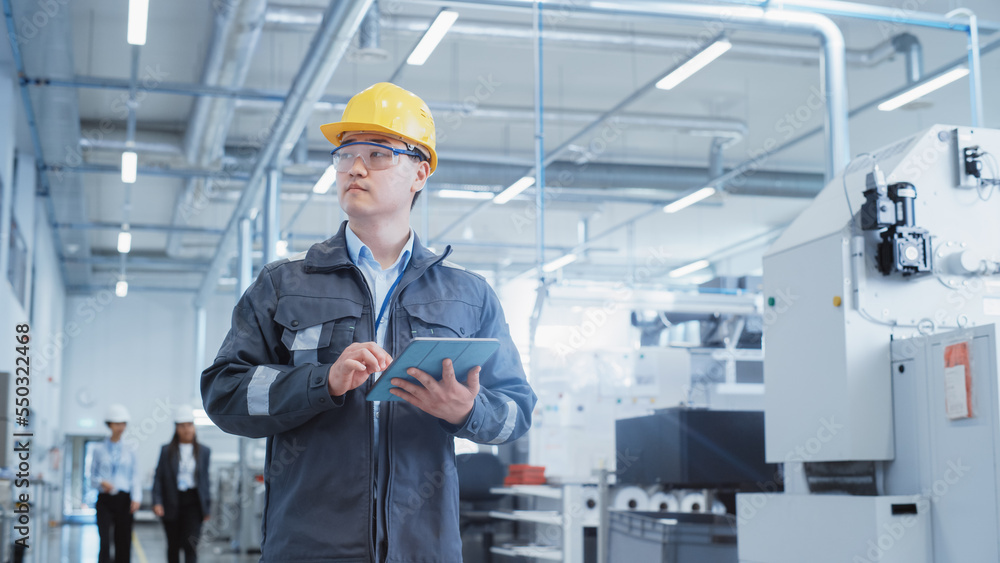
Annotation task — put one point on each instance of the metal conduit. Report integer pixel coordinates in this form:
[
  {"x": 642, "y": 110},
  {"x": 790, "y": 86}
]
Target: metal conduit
[
  {"x": 306, "y": 19},
  {"x": 834, "y": 66},
  {"x": 237, "y": 28},
  {"x": 340, "y": 22},
  {"x": 746, "y": 168},
  {"x": 891, "y": 14}
]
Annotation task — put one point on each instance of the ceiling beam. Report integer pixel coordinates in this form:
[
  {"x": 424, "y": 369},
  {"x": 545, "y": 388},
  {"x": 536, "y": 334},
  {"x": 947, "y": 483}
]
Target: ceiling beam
[{"x": 340, "y": 23}]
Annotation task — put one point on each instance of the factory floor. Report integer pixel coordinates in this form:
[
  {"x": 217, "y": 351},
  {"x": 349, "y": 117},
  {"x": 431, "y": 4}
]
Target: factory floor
[{"x": 79, "y": 543}]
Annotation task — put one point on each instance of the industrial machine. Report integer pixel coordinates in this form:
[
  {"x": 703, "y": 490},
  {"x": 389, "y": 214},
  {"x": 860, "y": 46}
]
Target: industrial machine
[{"x": 881, "y": 363}]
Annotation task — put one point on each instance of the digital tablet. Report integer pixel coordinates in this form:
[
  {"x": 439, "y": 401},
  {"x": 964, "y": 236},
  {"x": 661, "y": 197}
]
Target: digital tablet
[{"x": 426, "y": 354}]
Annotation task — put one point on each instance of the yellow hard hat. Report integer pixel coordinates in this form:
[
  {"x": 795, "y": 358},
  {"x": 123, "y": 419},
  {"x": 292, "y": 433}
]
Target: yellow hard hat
[{"x": 389, "y": 109}]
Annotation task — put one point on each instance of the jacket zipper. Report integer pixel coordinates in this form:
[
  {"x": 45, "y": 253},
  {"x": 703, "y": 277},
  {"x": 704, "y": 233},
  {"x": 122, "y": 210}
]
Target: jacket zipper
[
  {"x": 373, "y": 533},
  {"x": 370, "y": 415},
  {"x": 390, "y": 333}
]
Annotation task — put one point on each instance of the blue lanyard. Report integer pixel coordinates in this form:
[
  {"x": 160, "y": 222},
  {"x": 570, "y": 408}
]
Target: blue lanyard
[{"x": 388, "y": 296}]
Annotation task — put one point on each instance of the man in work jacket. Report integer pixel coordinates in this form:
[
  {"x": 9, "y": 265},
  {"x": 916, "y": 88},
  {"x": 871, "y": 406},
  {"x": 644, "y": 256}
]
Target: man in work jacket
[{"x": 347, "y": 479}]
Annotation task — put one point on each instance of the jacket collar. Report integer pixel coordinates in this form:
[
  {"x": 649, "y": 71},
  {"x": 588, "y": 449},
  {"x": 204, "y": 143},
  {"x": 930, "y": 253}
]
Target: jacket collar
[{"x": 332, "y": 254}]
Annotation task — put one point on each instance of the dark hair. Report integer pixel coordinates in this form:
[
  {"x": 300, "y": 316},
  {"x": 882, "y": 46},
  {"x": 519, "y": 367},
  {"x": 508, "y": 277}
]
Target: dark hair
[{"x": 175, "y": 449}]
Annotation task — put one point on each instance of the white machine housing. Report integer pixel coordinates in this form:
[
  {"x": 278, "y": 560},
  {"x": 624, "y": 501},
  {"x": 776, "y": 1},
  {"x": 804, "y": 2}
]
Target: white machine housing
[
  {"x": 854, "y": 367},
  {"x": 829, "y": 314}
]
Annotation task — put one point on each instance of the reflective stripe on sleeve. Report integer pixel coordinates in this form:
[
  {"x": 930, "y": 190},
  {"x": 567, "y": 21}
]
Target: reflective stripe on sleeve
[
  {"x": 259, "y": 390},
  {"x": 508, "y": 424}
]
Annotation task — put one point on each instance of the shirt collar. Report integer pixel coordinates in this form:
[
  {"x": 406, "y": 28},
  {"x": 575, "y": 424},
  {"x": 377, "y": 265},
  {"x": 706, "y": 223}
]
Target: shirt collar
[{"x": 359, "y": 251}]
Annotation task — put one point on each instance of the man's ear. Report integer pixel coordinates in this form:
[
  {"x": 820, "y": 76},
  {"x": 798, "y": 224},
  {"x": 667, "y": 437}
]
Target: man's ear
[{"x": 423, "y": 172}]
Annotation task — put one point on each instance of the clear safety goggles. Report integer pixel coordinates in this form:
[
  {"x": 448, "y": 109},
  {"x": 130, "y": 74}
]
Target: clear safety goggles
[{"x": 374, "y": 155}]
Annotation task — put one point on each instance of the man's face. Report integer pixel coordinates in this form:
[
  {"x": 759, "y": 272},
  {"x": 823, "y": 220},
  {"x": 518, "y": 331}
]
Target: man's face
[{"x": 379, "y": 193}]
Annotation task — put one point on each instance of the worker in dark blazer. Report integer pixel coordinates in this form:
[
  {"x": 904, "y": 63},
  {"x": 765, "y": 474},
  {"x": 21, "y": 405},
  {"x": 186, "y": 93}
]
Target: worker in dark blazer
[{"x": 181, "y": 492}]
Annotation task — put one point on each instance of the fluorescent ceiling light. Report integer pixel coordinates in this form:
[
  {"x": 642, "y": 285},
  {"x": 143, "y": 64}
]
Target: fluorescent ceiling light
[
  {"x": 514, "y": 189},
  {"x": 326, "y": 180},
  {"x": 130, "y": 162},
  {"x": 694, "y": 64},
  {"x": 435, "y": 33},
  {"x": 124, "y": 242},
  {"x": 281, "y": 248},
  {"x": 692, "y": 267},
  {"x": 559, "y": 262},
  {"x": 121, "y": 288},
  {"x": 464, "y": 194},
  {"x": 138, "y": 12},
  {"x": 922, "y": 89},
  {"x": 689, "y": 200}
]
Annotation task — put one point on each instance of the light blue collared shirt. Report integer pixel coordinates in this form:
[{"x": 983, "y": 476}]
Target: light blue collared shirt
[
  {"x": 379, "y": 283},
  {"x": 115, "y": 463}
]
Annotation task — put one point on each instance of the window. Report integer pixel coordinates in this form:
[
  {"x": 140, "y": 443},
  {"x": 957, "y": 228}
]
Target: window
[{"x": 17, "y": 265}]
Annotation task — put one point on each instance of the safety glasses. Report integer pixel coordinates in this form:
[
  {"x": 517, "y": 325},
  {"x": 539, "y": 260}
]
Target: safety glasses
[{"x": 374, "y": 155}]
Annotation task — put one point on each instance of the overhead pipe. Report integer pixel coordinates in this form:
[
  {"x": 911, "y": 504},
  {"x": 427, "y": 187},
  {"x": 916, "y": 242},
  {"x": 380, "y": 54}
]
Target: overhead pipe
[
  {"x": 132, "y": 104},
  {"x": 256, "y": 98},
  {"x": 704, "y": 125},
  {"x": 86, "y": 289},
  {"x": 834, "y": 66},
  {"x": 49, "y": 129},
  {"x": 540, "y": 160},
  {"x": 746, "y": 169},
  {"x": 141, "y": 262},
  {"x": 109, "y": 226},
  {"x": 370, "y": 37},
  {"x": 272, "y": 215},
  {"x": 715, "y": 160},
  {"x": 169, "y": 149},
  {"x": 340, "y": 23},
  {"x": 890, "y": 14},
  {"x": 909, "y": 45},
  {"x": 236, "y": 30},
  {"x": 591, "y": 176},
  {"x": 975, "y": 70},
  {"x": 306, "y": 19},
  {"x": 6, "y": 214},
  {"x": 200, "y": 344},
  {"x": 555, "y": 153}
]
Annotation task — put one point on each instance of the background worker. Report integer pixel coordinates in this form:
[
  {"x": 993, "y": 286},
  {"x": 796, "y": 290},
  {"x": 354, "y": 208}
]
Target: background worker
[
  {"x": 115, "y": 472},
  {"x": 181, "y": 493},
  {"x": 347, "y": 479}
]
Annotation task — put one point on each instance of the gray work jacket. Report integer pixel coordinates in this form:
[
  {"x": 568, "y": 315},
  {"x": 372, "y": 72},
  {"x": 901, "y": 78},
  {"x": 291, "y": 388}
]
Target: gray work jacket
[{"x": 270, "y": 380}]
